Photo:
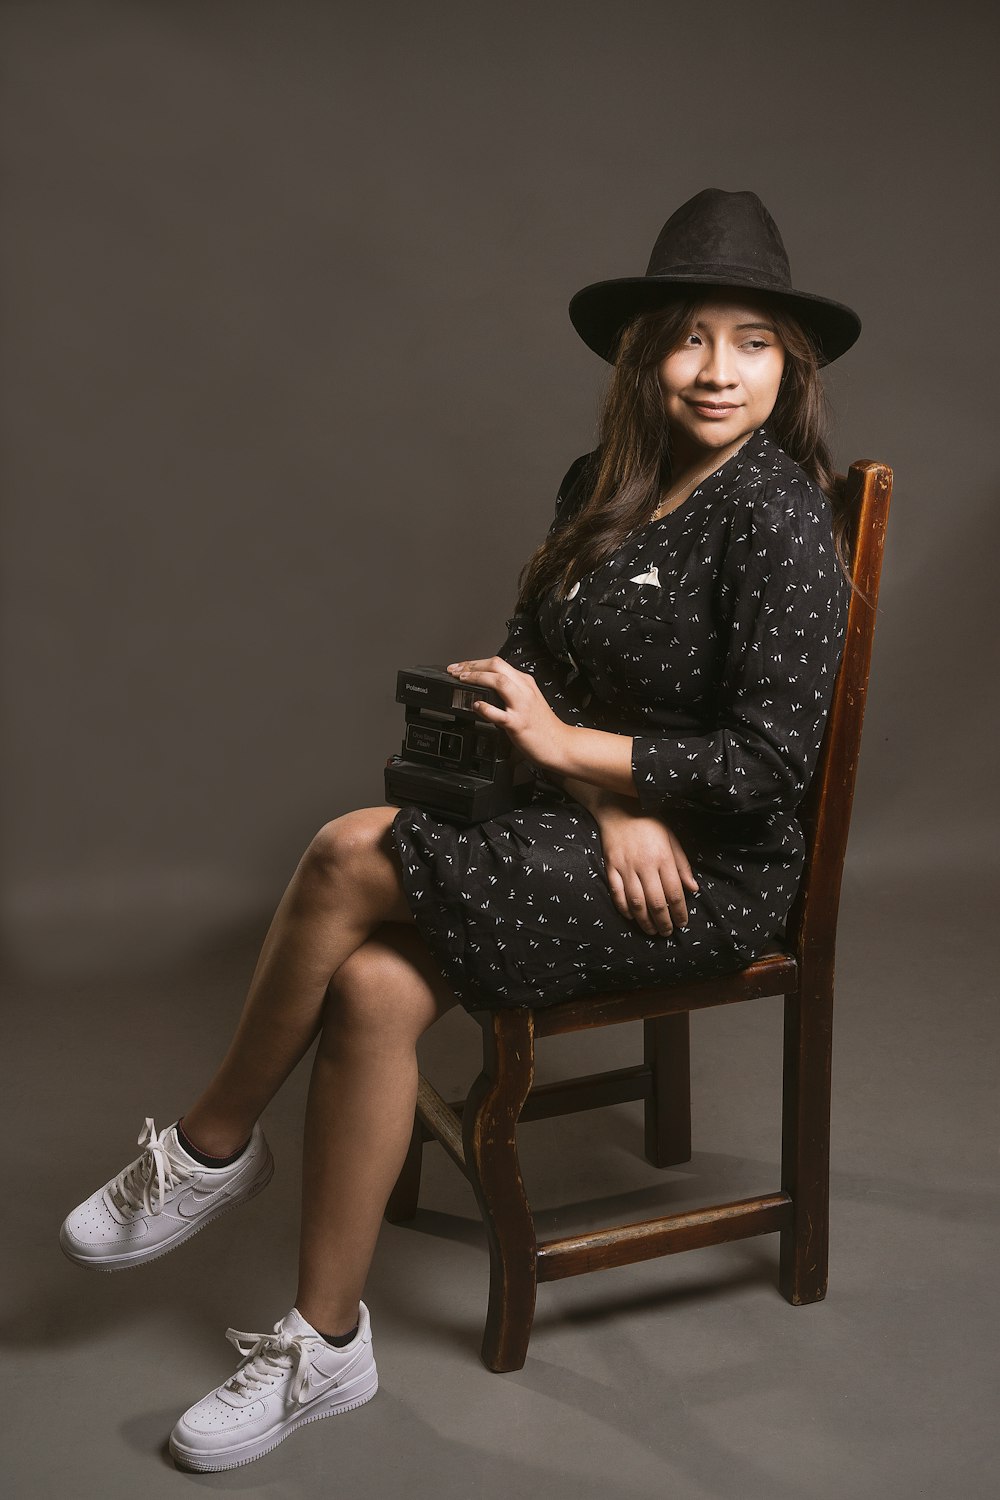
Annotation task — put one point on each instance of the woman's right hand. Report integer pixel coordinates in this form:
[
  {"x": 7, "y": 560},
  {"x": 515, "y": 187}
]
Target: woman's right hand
[{"x": 648, "y": 871}]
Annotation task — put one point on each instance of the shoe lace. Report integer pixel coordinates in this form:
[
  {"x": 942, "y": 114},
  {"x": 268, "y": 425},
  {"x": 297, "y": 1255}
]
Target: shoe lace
[
  {"x": 269, "y": 1356},
  {"x": 134, "y": 1186}
]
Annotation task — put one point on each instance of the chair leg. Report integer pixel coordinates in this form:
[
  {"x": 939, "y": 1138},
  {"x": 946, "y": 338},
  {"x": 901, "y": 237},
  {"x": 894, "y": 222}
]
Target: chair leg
[
  {"x": 805, "y": 1140},
  {"x": 667, "y": 1053},
  {"x": 402, "y": 1204},
  {"x": 489, "y": 1128}
]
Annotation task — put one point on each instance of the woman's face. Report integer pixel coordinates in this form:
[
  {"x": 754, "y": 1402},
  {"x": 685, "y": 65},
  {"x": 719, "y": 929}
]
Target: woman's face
[{"x": 722, "y": 381}]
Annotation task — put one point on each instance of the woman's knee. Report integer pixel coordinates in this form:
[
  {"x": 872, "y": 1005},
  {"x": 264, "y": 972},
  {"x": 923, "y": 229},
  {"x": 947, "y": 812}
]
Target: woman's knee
[
  {"x": 384, "y": 994},
  {"x": 341, "y": 846}
]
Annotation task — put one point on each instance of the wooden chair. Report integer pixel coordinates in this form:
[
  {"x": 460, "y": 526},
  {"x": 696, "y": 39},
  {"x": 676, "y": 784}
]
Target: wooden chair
[{"x": 479, "y": 1133}]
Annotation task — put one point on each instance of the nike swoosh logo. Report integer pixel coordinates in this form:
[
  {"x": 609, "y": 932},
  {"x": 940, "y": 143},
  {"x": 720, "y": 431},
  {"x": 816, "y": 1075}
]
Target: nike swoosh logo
[
  {"x": 314, "y": 1390},
  {"x": 192, "y": 1203}
]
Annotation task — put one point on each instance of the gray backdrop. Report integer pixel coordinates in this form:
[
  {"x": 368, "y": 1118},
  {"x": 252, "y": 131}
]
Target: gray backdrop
[{"x": 289, "y": 384}]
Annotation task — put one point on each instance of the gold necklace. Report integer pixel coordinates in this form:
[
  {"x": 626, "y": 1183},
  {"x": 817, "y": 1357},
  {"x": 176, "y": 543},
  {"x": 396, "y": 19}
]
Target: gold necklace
[
  {"x": 687, "y": 488},
  {"x": 684, "y": 492}
]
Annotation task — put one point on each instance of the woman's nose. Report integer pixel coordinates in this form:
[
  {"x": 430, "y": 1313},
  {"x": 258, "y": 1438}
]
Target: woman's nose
[{"x": 718, "y": 366}]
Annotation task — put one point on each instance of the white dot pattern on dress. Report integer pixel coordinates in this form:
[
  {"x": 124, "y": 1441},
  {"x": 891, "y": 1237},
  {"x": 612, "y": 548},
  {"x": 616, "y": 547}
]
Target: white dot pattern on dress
[{"x": 713, "y": 637}]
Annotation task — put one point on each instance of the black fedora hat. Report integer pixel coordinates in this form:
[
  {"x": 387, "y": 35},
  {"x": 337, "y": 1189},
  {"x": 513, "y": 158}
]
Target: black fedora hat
[{"x": 716, "y": 239}]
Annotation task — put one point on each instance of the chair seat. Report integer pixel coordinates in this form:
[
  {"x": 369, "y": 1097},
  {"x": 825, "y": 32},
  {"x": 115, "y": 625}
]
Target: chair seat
[{"x": 774, "y": 971}]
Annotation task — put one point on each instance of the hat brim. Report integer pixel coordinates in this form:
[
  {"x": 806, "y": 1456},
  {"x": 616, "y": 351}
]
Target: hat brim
[{"x": 601, "y": 310}]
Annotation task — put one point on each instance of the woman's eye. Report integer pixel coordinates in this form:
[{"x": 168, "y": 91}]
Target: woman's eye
[{"x": 755, "y": 344}]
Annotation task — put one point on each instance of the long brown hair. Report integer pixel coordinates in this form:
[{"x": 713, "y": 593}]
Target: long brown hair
[{"x": 632, "y": 461}]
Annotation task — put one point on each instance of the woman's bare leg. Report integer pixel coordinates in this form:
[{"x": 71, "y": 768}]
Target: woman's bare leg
[
  {"x": 359, "y": 1115},
  {"x": 346, "y": 884}
]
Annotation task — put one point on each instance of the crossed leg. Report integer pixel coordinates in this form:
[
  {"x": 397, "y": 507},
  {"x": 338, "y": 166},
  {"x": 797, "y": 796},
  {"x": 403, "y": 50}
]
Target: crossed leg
[
  {"x": 342, "y": 958},
  {"x": 346, "y": 884}
]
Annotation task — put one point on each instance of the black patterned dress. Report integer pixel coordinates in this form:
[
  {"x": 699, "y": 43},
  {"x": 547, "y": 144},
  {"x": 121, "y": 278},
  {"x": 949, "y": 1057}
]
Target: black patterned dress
[{"x": 713, "y": 637}]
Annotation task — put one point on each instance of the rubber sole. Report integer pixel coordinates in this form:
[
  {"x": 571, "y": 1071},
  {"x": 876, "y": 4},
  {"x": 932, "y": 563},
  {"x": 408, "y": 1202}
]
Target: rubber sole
[
  {"x": 218, "y": 1462},
  {"x": 142, "y": 1258}
]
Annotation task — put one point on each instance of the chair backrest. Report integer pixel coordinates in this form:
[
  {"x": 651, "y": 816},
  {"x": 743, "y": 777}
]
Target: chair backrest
[{"x": 825, "y": 811}]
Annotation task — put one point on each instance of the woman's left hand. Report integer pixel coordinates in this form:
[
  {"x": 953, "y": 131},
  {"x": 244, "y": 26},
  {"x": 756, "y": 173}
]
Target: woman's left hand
[{"x": 529, "y": 721}]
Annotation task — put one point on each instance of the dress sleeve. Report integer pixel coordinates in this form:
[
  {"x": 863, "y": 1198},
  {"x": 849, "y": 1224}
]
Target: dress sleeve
[
  {"x": 783, "y": 600},
  {"x": 525, "y": 649}
]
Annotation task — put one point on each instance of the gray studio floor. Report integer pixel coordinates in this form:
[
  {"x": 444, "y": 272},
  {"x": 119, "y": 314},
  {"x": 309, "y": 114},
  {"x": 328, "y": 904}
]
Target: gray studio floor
[{"x": 687, "y": 1377}]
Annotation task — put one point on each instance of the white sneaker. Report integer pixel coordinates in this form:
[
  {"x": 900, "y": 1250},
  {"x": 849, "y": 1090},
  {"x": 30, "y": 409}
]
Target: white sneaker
[
  {"x": 159, "y": 1200},
  {"x": 286, "y": 1378}
]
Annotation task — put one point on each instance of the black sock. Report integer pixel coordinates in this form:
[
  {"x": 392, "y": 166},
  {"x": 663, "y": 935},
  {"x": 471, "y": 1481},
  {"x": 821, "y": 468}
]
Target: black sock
[
  {"x": 338, "y": 1340},
  {"x": 202, "y": 1156}
]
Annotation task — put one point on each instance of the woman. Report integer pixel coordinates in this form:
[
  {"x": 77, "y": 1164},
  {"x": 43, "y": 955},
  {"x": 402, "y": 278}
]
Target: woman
[{"x": 668, "y": 672}]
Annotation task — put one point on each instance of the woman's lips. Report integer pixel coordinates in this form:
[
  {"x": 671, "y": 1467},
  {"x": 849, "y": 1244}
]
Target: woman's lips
[{"x": 710, "y": 410}]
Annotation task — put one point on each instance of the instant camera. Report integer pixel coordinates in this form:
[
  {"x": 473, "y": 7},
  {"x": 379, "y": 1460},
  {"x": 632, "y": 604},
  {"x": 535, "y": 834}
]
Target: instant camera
[{"x": 453, "y": 763}]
